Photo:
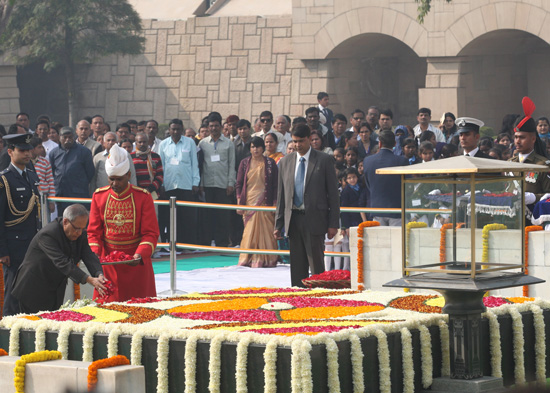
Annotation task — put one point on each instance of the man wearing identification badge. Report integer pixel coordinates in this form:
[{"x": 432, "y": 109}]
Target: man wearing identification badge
[
  {"x": 218, "y": 180},
  {"x": 531, "y": 151},
  {"x": 181, "y": 179}
]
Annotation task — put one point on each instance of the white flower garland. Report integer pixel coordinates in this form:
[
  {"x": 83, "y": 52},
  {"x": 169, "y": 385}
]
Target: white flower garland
[
  {"x": 426, "y": 356},
  {"x": 136, "y": 348},
  {"x": 383, "y": 361},
  {"x": 300, "y": 344},
  {"x": 214, "y": 364},
  {"x": 88, "y": 344},
  {"x": 517, "y": 329},
  {"x": 306, "y": 376},
  {"x": 445, "y": 351},
  {"x": 540, "y": 344},
  {"x": 407, "y": 357},
  {"x": 295, "y": 360},
  {"x": 40, "y": 338},
  {"x": 332, "y": 360},
  {"x": 270, "y": 366},
  {"x": 63, "y": 341},
  {"x": 494, "y": 344},
  {"x": 357, "y": 363},
  {"x": 14, "y": 338},
  {"x": 191, "y": 363},
  {"x": 112, "y": 342},
  {"x": 241, "y": 364},
  {"x": 163, "y": 347}
]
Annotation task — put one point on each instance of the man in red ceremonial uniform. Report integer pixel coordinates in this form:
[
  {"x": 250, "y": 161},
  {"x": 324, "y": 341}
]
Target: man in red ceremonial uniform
[{"x": 122, "y": 218}]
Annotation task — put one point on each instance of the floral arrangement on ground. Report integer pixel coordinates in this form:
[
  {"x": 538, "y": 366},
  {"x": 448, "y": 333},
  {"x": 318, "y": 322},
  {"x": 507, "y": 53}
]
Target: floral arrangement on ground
[{"x": 294, "y": 317}]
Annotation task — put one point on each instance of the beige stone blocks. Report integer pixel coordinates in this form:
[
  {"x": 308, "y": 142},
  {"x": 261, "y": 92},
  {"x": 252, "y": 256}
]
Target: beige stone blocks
[
  {"x": 261, "y": 73},
  {"x": 183, "y": 62}
]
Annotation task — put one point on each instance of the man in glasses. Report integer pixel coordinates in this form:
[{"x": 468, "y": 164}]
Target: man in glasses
[
  {"x": 266, "y": 126},
  {"x": 357, "y": 117},
  {"x": 52, "y": 257}
]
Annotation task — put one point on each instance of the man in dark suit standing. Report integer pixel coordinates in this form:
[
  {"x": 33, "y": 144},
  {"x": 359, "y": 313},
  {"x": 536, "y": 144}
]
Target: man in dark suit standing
[
  {"x": 384, "y": 190},
  {"x": 468, "y": 132},
  {"x": 308, "y": 205},
  {"x": 53, "y": 256}
]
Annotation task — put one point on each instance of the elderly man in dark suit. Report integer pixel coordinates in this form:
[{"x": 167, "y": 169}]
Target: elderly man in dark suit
[
  {"x": 53, "y": 256},
  {"x": 384, "y": 190},
  {"x": 308, "y": 205}
]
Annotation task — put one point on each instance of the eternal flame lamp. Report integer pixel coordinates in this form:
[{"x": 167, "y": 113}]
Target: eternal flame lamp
[{"x": 481, "y": 202}]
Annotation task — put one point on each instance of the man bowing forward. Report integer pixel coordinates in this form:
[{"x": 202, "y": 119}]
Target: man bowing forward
[{"x": 308, "y": 205}]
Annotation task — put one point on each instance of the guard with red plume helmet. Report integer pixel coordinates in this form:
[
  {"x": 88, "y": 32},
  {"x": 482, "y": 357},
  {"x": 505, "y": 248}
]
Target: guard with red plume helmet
[{"x": 531, "y": 150}]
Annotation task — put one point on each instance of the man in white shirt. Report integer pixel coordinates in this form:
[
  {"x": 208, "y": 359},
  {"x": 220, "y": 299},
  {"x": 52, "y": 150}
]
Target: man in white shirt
[
  {"x": 282, "y": 125},
  {"x": 423, "y": 117},
  {"x": 266, "y": 122},
  {"x": 151, "y": 129},
  {"x": 42, "y": 131}
]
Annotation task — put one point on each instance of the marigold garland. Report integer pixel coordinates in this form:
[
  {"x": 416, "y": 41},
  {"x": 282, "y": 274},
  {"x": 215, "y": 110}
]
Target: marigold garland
[
  {"x": 485, "y": 243},
  {"x": 19, "y": 370},
  {"x": 410, "y": 226},
  {"x": 118, "y": 360},
  {"x": 76, "y": 288},
  {"x": 531, "y": 228},
  {"x": 360, "y": 260},
  {"x": 3, "y": 353},
  {"x": 443, "y": 243}
]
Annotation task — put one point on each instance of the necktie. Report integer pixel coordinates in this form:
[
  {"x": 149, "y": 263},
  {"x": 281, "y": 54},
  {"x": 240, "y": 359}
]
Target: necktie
[
  {"x": 299, "y": 183},
  {"x": 24, "y": 174}
]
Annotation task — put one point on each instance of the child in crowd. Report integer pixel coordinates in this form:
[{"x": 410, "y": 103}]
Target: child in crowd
[
  {"x": 339, "y": 158},
  {"x": 449, "y": 150},
  {"x": 426, "y": 151},
  {"x": 127, "y": 145},
  {"x": 351, "y": 157},
  {"x": 353, "y": 195},
  {"x": 409, "y": 150},
  {"x": 495, "y": 153}
]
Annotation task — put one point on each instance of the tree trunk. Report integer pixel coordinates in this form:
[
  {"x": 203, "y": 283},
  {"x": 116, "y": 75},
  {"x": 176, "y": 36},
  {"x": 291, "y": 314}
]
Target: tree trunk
[
  {"x": 71, "y": 90},
  {"x": 69, "y": 76}
]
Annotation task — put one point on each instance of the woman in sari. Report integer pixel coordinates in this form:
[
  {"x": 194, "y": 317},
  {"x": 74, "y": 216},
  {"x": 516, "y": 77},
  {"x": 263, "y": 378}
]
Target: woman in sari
[
  {"x": 257, "y": 186},
  {"x": 271, "y": 142}
]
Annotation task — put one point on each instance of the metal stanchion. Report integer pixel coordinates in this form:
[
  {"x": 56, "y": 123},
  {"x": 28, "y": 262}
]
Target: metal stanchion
[
  {"x": 173, "y": 262},
  {"x": 44, "y": 210}
]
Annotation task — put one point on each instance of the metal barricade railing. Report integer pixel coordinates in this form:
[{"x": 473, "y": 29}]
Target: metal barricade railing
[{"x": 172, "y": 203}]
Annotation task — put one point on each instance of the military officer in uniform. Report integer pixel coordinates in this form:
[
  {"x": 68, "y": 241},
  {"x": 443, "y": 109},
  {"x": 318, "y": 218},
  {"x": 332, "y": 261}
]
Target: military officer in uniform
[
  {"x": 531, "y": 151},
  {"x": 19, "y": 207}
]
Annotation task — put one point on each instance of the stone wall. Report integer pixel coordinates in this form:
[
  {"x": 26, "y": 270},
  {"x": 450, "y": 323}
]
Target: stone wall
[{"x": 233, "y": 65}]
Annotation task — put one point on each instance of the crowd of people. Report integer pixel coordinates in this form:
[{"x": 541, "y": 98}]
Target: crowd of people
[{"x": 242, "y": 162}]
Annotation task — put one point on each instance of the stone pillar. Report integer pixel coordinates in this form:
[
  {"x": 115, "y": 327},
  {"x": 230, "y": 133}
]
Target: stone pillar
[{"x": 443, "y": 91}]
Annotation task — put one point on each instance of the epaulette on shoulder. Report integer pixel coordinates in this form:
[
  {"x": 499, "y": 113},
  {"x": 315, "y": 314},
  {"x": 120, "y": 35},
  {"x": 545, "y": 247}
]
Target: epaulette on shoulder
[
  {"x": 140, "y": 189},
  {"x": 4, "y": 171},
  {"x": 100, "y": 189}
]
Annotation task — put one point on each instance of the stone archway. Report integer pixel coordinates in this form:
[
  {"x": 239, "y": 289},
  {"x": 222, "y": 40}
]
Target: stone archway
[
  {"x": 503, "y": 15},
  {"x": 376, "y": 69},
  {"x": 497, "y": 69},
  {"x": 365, "y": 20}
]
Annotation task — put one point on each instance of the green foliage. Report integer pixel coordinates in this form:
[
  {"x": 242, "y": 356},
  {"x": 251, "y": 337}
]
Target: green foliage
[
  {"x": 487, "y": 131},
  {"x": 59, "y": 31},
  {"x": 424, "y": 7}
]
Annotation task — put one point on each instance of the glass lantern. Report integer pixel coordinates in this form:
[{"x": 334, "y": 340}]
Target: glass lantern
[{"x": 463, "y": 216}]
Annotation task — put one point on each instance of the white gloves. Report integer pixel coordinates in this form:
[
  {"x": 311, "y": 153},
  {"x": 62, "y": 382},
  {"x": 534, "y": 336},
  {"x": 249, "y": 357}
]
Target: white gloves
[
  {"x": 530, "y": 198},
  {"x": 545, "y": 197},
  {"x": 435, "y": 192}
]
